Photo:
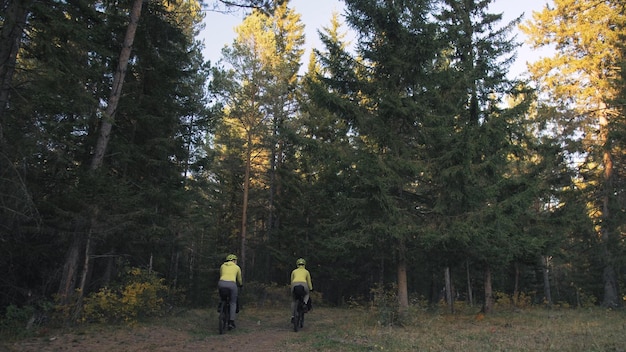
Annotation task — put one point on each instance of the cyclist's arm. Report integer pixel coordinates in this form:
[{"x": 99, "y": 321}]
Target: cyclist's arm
[
  {"x": 308, "y": 281},
  {"x": 239, "y": 279}
]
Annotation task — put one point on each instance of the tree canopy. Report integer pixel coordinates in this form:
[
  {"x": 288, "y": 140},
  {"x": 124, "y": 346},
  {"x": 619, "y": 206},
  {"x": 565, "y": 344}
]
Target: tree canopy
[{"x": 409, "y": 162}]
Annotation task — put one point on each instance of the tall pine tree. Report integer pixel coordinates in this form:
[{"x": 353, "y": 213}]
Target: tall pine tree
[
  {"x": 258, "y": 92},
  {"x": 579, "y": 83}
]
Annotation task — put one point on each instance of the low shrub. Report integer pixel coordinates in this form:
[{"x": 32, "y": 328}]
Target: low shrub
[
  {"x": 384, "y": 305},
  {"x": 22, "y": 321},
  {"x": 141, "y": 294}
]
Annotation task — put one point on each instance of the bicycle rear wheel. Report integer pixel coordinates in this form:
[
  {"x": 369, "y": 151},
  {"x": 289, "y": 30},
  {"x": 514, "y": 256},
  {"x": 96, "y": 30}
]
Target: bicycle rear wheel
[
  {"x": 301, "y": 320},
  {"x": 224, "y": 316},
  {"x": 296, "y": 318}
]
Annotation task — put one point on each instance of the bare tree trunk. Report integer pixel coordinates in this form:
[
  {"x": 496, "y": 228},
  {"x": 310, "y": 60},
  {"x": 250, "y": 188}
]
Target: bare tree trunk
[
  {"x": 609, "y": 275},
  {"x": 381, "y": 272},
  {"x": 108, "y": 272},
  {"x": 611, "y": 287},
  {"x": 118, "y": 81},
  {"x": 10, "y": 42},
  {"x": 516, "y": 285},
  {"x": 86, "y": 263},
  {"x": 611, "y": 298},
  {"x": 449, "y": 298},
  {"x": 470, "y": 295},
  {"x": 70, "y": 270},
  {"x": 489, "y": 300},
  {"x": 244, "y": 211},
  {"x": 83, "y": 280},
  {"x": 403, "y": 296},
  {"x": 272, "y": 223},
  {"x": 175, "y": 268},
  {"x": 547, "y": 292}
]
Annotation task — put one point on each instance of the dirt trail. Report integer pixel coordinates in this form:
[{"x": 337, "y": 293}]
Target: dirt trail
[{"x": 194, "y": 330}]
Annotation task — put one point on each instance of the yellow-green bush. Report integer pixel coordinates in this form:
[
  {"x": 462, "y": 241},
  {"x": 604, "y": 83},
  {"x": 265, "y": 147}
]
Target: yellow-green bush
[
  {"x": 141, "y": 294},
  {"x": 524, "y": 299},
  {"x": 502, "y": 299}
]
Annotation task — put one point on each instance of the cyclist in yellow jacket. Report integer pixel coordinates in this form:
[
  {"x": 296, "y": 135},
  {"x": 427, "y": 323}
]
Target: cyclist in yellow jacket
[
  {"x": 301, "y": 276},
  {"x": 230, "y": 278}
]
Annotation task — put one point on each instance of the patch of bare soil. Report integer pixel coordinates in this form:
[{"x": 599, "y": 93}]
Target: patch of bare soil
[{"x": 192, "y": 330}]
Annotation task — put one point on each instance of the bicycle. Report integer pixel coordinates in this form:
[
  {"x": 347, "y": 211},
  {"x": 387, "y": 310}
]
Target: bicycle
[
  {"x": 223, "y": 310},
  {"x": 299, "y": 309}
]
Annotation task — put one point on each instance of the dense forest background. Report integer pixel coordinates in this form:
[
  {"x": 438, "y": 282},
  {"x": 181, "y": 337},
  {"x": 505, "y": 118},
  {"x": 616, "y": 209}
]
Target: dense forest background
[{"x": 410, "y": 163}]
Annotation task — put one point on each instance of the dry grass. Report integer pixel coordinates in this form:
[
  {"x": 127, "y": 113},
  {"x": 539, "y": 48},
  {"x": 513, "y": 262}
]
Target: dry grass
[
  {"x": 528, "y": 330},
  {"x": 335, "y": 329}
]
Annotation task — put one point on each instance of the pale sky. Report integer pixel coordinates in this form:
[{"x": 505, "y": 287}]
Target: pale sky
[{"x": 219, "y": 28}]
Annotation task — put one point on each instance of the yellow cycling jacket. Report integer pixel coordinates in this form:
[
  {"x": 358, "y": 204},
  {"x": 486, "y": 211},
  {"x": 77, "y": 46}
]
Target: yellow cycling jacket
[
  {"x": 230, "y": 271},
  {"x": 300, "y": 274}
]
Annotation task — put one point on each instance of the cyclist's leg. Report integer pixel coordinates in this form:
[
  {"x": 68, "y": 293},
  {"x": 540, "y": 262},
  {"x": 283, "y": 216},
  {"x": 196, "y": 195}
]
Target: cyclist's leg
[
  {"x": 294, "y": 301},
  {"x": 307, "y": 295},
  {"x": 307, "y": 298},
  {"x": 222, "y": 292},
  {"x": 233, "y": 303}
]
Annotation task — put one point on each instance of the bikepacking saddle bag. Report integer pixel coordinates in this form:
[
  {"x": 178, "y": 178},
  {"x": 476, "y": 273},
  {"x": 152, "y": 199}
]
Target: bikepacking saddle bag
[{"x": 299, "y": 291}]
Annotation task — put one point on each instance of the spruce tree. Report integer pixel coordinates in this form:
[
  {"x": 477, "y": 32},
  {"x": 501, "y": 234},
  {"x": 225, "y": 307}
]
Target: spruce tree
[
  {"x": 379, "y": 97},
  {"x": 476, "y": 185}
]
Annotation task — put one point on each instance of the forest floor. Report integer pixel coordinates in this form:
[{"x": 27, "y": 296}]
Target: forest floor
[
  {"x": 335, "y": 329},
  {"x": 190, "y": 330}
]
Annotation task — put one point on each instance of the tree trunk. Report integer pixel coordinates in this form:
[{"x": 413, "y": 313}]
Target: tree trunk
[
  {"x": 70, "y": 270},
  {"x": 516, "y": 286},
  {"x": 86, "y": 264},
  {"x": 108, "y": 271},
  {"x": 83, "y": 280},
  {"x": 271, "y": 207},
  {"x": 449, "y": 298},
  {"x": 175, "y": 268},
  {"x": 611, "y": 297},
  {"x": 116, "y": 90},
  {"x": 244, "y": 211},
  {"x": 10, "y": 41},
  {"x": 403, "y": 296},
  {"x": 470, "y": 295},
  {"x": 547, "y": 292},
  {"x": 489, "y": 300},
  {"x": 381, "y": 272}
]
